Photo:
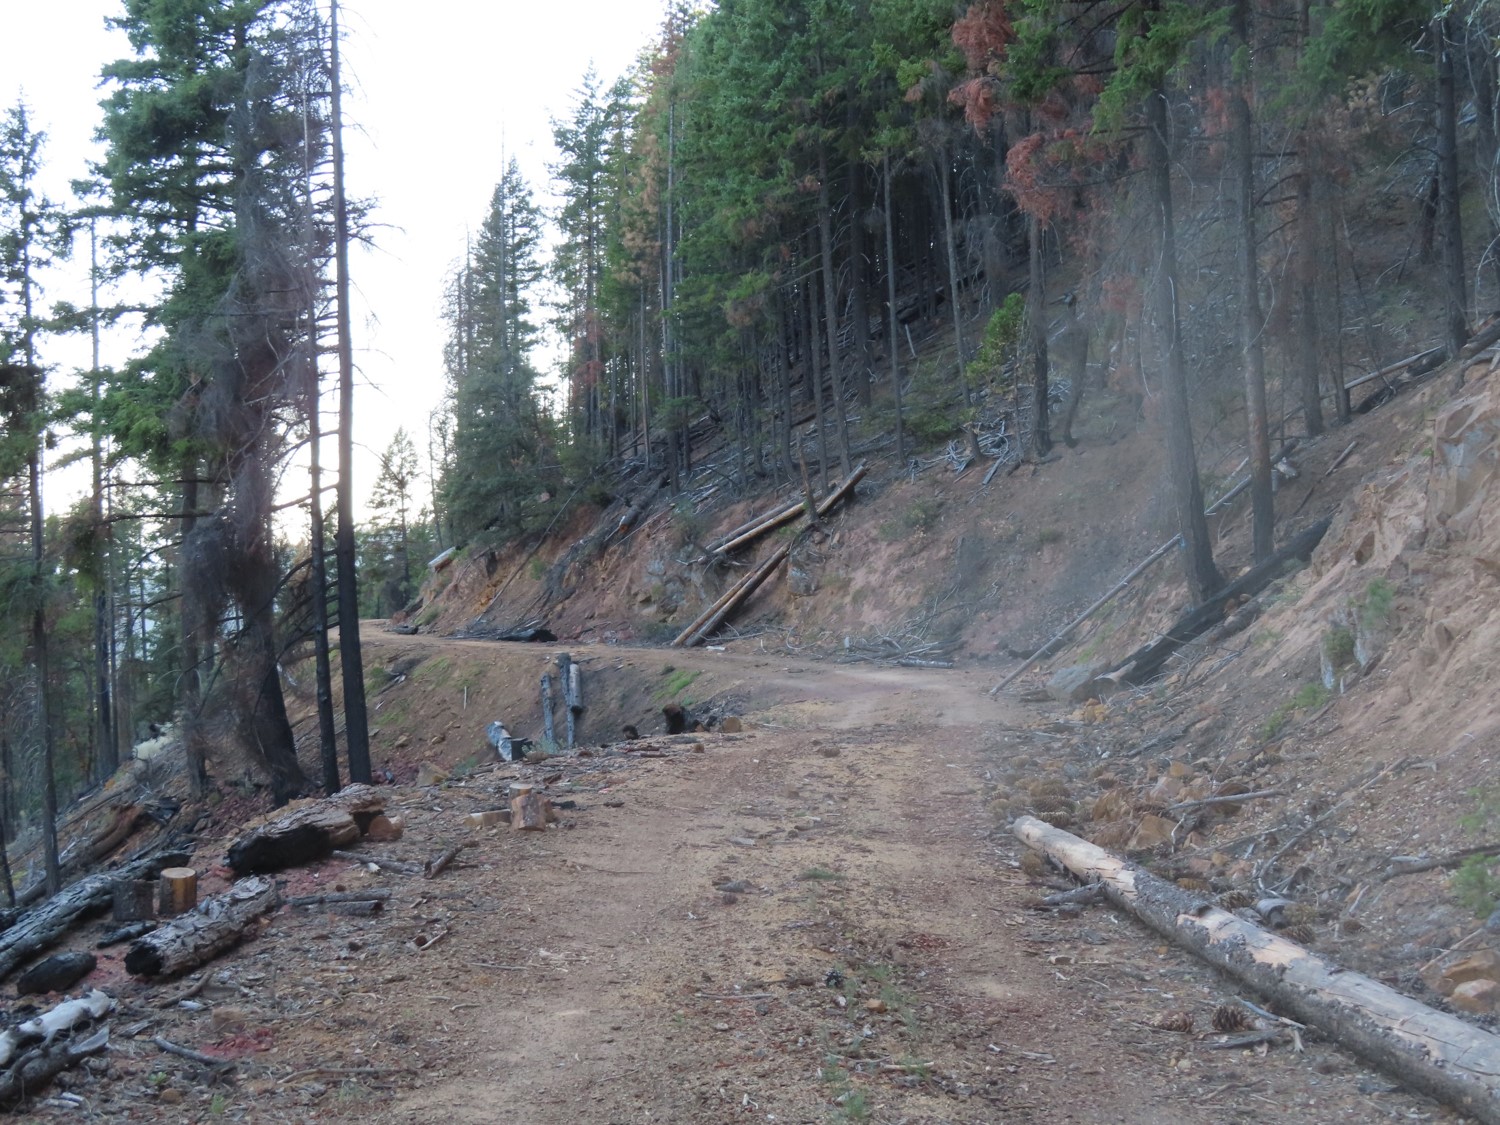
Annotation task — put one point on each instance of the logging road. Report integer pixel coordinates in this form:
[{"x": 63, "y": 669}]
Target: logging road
[{"x": 817, "y": 919}]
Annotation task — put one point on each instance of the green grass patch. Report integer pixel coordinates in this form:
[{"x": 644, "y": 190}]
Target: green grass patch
[
  {"x": 678, "y": 681},
  {"x": 1378, "y": 605}
]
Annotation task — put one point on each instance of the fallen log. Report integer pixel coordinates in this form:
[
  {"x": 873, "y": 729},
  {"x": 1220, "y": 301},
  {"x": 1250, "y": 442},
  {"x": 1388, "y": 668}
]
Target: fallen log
[
  {"x": 219, "y": 923},
  {"x": 53, "y": 1022},
  {"x": 1438, "y": 1054},
  {"x": 748, "y": 533},
  {"x": 37, "y": 1068},
  {"x": 308, "y": 832},
  {"x": 45, "y": 925},
  {"x": 1145, "y": 662},
  {"x": 57, "y": 973},
  {"x": 394, "y": 865},
  {"x": 711, "y": 618}
]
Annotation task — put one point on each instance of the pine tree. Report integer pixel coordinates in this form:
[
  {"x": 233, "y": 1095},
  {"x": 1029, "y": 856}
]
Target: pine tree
[
  {"x": 32, "y": 233},
  {"x": 207, "y": 158},
  {"x": 501, "y": 441}
]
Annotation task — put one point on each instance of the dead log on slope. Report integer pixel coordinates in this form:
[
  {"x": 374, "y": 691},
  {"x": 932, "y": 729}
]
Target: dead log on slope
[
  {"x": 712, "y": 617},
  {"x": 44, "y": 926},
  {"x": 309, "y": 832},
  {"x": 39, "y": 1066},
  {"x": 218, "y": 923},
  {"x": 1438, "y": 1054},
  {"x": 1145, "y": 662}
]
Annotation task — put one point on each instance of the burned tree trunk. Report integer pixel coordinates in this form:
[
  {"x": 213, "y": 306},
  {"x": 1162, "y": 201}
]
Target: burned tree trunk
[
  {"x": 1146, "y": 661},
  {"x": 218, "y": 923},
  {"x": 308, "y": 833},
  {"x": 45, "y": 926}
]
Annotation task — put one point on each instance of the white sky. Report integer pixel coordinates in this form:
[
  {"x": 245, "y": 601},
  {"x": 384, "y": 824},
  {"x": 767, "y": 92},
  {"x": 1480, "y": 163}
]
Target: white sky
[{"x": 438, "y": 89}]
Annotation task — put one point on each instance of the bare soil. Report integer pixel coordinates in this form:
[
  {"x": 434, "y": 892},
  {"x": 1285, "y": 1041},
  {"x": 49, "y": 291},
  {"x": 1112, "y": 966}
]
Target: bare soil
[{"x": 821, "y": 918}]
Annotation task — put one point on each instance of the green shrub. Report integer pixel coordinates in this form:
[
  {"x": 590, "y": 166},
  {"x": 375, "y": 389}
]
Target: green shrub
[
  {"x": 1475, "y": 886},
  {"x": 1379, "y": 603}
]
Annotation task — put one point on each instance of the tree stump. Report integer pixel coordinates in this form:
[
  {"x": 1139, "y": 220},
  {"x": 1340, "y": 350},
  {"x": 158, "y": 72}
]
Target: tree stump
[
  {"x": 179, "y": 891},
  {"x": 134, "y": 900},
  {"x": 528, "y": 809},
  {"x": 219, "y": 923}
]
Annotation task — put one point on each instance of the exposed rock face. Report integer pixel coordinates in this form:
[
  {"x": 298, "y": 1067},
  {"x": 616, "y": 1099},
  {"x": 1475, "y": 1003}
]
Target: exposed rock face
[{"x": 1077, "y": 684}]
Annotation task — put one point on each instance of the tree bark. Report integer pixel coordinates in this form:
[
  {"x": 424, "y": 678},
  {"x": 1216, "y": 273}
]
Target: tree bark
[
  {"x": 1439, "y": 1054},
  {"x": 1262, "y": 502},
  {"x": 46, "y": 925},
  {"x": 351, "y": 665},
  {"x": 1145, "y": 662},
  {"x": 1450, "y": 220},
  {"x": 1307, "y": 294},
  {"x": 831, "y": 307},
  {"x": 892, "y": 343},
  {"x": 308, "y": 833},
  {"x": 1036, "y": 323},
  {"x": 218, "y": 924},
  {"x": 1187, "y": 493}
]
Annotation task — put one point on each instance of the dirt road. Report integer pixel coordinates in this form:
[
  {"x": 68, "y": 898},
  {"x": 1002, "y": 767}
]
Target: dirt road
[{"x": 817, "y": 919}]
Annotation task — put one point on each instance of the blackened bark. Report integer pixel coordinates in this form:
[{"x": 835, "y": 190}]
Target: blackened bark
[
  {"x": 1036, "y": 323},
  {"x": 1187, "y": 493},
  {"x": 1262, "y": 502},
  {"x": 1450, "y": 222}
]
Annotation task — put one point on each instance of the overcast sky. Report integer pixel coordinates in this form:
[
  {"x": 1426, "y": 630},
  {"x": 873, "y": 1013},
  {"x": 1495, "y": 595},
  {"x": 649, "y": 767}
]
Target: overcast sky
[{"x": 438, "y": 90}]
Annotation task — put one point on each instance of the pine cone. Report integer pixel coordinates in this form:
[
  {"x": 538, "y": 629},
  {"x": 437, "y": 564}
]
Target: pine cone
[
  {"x": 1302, "y": 935},
  {"x": 1235, "y": 900},
  {"x": 1230, "y": 1019},
  {"x": 1173, "y": 1021},
  {"x": 1051, "y": 802},
  {"x": 1058, "y": 818}
]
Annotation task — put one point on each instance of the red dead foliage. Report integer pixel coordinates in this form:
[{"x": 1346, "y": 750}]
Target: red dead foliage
[{"x": 982, "y": 34}]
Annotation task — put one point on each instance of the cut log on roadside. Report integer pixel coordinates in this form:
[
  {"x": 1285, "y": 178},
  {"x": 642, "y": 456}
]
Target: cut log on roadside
[
  {"x": 1438, "y": 1054},
  {"x": 37, "y": 1068},
  {"x": 1145, "y": 662},
  {"x": 44, "y": 926},
  {"x": 178, "y": 893},
  {"x": 308, "y": 832},
  {"x": 219, "y": 923}
]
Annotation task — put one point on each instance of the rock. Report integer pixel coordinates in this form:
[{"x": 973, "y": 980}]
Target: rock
[
  {"x": 875, "y": 1005},
  {"x": 801, "y": 583},
  {"x": 731, "y": 725},
  {"x": 55, "y": 973},
  {"x": 1076, "y": 684},
  {"x": 1484, "y": 965},
  {"x": 488, "y": 819},
  {"x": 386, "y": 827},
  {"x": 1481, "y": 997},
  {"x": 1152, "y": 831}
]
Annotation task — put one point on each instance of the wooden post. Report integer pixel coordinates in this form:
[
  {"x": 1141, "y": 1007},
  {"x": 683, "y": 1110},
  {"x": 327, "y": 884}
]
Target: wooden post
[
  {"x": 132, "y": 900},
  {"x": 1436, "y": 1053},
  {"x": 565, "y": 674},
  {"x": 575, "y": 689},
  {"x": 179, "y": 891},
  {"x": 549, "y": 730}
]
